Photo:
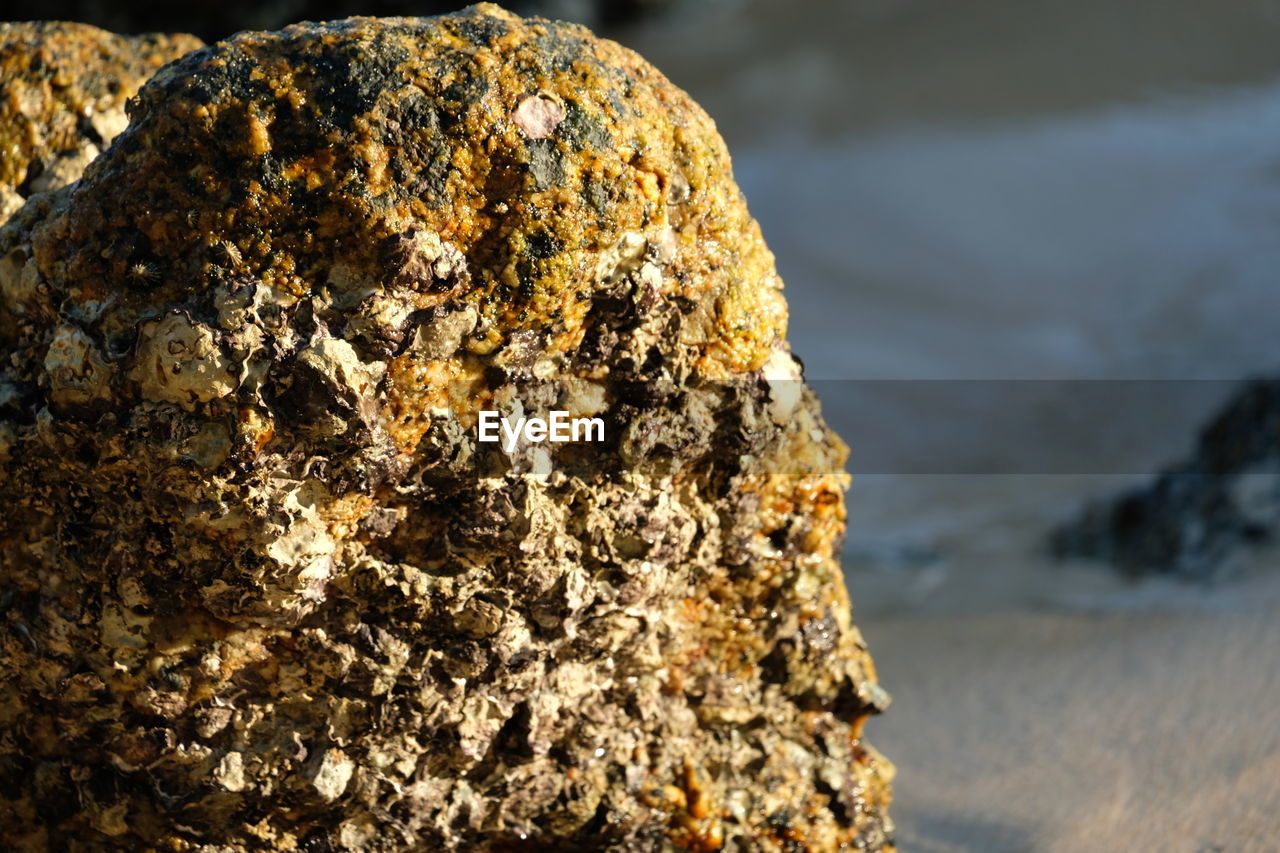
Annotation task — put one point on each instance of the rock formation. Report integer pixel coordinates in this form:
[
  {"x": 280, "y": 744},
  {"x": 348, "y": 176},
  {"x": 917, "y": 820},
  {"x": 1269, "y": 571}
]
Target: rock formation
[
  {"x": 1194, "y": 518},
  {"x": 261, "y": 585},
  {"x": 62, "y": 94}
]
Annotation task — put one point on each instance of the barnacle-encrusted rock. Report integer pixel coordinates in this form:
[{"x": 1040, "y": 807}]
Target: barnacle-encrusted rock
[
  {"x": 262, "y": 586},
  {"x": 62, "y": 93}
]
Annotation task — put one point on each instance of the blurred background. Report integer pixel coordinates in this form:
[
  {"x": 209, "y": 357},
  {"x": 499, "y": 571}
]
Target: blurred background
[{"x": 1030, "y": 247}]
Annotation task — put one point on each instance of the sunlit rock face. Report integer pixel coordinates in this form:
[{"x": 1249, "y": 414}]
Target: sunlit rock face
[{"x": 263, "y": 585}]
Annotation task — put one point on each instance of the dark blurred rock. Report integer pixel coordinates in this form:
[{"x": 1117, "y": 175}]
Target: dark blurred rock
[{"x": 1193, "y": 517}]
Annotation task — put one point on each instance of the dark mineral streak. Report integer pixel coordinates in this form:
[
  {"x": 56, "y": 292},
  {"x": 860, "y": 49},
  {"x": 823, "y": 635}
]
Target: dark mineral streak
[{"x": 261, "y": 588}]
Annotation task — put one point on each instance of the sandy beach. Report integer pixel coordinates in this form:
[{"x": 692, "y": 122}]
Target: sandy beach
[
  {"x": 1033, "y": 731},
  {"x": 1041, "y": 706}
]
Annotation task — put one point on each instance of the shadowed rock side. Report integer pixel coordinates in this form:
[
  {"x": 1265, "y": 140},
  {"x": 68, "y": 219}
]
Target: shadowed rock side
[
  {"x": 262, "y": 587},
  {"x": 62, "y": 94},
  {"x": 1194, "y": 518}
]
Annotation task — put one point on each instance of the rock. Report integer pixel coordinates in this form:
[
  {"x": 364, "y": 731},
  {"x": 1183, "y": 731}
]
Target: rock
[
  {"x": 63, "y": 99},
  {"x": 263, "y": 588},
  {"x": 1192, "y": 519}
]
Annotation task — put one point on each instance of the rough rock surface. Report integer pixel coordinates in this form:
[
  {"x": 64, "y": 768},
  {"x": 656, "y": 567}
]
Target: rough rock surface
[
  {"x": 261, "y": 588},
  {"x": 62, "y": 93},
  {"x": 1192, "y": 519}
]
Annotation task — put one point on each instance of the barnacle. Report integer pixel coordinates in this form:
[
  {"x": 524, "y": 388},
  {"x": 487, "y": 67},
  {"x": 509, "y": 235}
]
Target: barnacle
[{"x": 143, "y": 273}]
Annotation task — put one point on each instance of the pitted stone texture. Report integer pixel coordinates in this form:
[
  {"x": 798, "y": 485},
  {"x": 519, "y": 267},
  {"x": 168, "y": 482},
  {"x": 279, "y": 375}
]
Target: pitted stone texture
[{"x": 265, "y": 590}]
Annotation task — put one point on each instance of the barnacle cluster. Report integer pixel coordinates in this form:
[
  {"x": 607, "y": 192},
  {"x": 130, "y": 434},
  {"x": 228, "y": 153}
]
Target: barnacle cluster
[{"x": 261, "y": 588}]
